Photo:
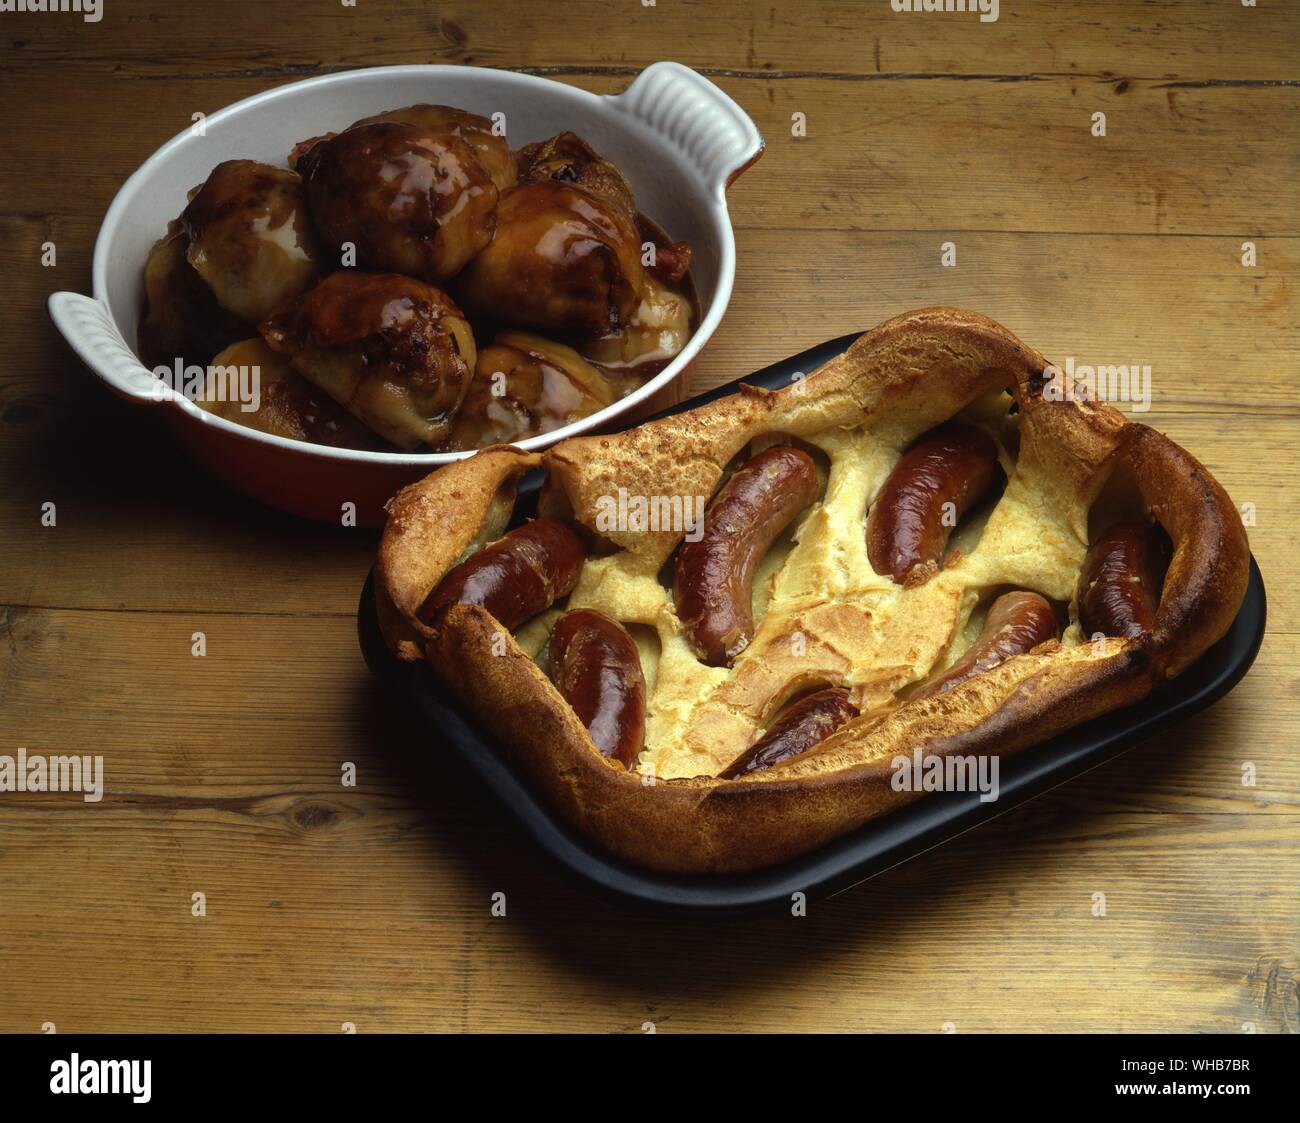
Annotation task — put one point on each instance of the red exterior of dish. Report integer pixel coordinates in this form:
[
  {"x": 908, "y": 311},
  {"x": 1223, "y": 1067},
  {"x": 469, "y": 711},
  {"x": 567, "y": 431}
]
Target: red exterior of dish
[
  {"x": 302, "y": 483},
  {"x": 314, "y": 486}
]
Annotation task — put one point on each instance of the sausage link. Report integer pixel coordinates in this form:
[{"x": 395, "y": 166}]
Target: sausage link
[
  {"x": 804, "y": 724},
  {"x": 1017, "y": 622},
  {"x": 515, "y": 577},
  {"x": 597, "y": 669},
  {"x": 1119, "y": 587},
  {"x": 956, "y": 463},
  {"x": 714, "y": 578}
]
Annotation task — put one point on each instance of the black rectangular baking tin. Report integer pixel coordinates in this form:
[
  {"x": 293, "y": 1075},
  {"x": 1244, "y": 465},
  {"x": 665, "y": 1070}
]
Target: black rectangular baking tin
[{"x": 876, "y": 845}]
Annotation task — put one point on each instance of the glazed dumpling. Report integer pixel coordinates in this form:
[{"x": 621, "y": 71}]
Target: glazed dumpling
[
  {"x": 657, "y": 330},
  {"x": 573, "y": 259},
  {"x": 250, "y": 238},
  {"x": 182, "y": 319},
  {"x": 564, "y": 262},
  {"x": 393, "y": 351},
  {"x": 492, "y": 151},
  {"x": 286, "y": 404},
  {"x": 525, "y": 385},
  {"x": 410, "y": 200},
  {"x": 567, "y": 158}
]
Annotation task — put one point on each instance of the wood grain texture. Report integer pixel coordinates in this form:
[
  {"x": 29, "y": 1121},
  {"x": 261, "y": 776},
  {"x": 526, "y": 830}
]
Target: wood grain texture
[
  {"x": 1195, "y": 40},
  {"x": 907, "y": 154},
  {"x": 371, "y": 904}
]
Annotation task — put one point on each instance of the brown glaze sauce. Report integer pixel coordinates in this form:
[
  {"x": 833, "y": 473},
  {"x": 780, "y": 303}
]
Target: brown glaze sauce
[{"x": 356, "y": 265}]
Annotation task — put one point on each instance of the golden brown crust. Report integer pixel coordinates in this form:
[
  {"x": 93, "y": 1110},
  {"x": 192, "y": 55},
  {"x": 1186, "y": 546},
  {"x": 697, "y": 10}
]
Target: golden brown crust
[
  {"x": 432, "y": 524},
  {"x": 902, "y": 378},
  {"x": 1207, "y": 575}
]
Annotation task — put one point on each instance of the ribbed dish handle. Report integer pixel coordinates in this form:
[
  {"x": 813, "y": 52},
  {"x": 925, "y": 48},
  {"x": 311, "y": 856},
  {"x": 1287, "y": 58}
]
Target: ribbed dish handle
[
  {"x": 696, "y": 118},
  {"x": 91, "y": 333}
]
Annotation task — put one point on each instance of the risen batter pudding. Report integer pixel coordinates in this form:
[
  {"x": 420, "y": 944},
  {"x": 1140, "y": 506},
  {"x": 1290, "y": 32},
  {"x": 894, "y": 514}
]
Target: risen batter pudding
[{"x": 913, "y": 547}]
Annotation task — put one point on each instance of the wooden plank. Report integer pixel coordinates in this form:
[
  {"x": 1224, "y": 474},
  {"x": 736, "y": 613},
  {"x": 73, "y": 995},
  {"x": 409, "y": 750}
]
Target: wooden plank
[
  {"x": 1200, "y": 39},
  {"x": 1198, "y": 767},
  {"x": 978, "y": 155},
  {"x": 326, "y": 927},
  {"x": 1020, "y": 156},
  {"x": 1176, "y": 304},
  {"x": 223, "y": 779},
  {"x": 371, "y": 904}
]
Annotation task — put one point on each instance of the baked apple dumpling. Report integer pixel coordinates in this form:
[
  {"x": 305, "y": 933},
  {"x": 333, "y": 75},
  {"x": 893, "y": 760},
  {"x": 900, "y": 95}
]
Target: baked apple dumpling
[
  {"x": 250, "y": 238},
  {"x": 573, "y": 259},
  {"x": 410, "y": 200},
  {"x": 182, "y": 319},
  {"x": 567, "y": 158},
  {"x": 563, "y": 262},
  {"x": 446, "y": 120},
  {"x": 525, "y": 385},
  {"x": 286, "y": 405},
  {"x": 395, "y": 352}
]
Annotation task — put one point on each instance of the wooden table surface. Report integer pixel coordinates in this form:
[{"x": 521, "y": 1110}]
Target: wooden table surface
[{"x": 371, "y": 905}]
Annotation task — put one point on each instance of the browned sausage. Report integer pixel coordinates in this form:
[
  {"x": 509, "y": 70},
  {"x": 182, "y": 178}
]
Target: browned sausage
[
  {"x": 956, "y": 463},
  {"x": 1119, "y": 587},
  {"x": 804, "y": 724},
  {"x": 713, "y": 582},
  {"x": 1017, "y": 622},
  {"x": 597, "y": 668},
  {"x": 517, "y": 576}
]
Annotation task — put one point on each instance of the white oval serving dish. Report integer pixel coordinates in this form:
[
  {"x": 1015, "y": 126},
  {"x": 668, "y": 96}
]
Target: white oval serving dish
[{"x": 677, "y": 137}]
